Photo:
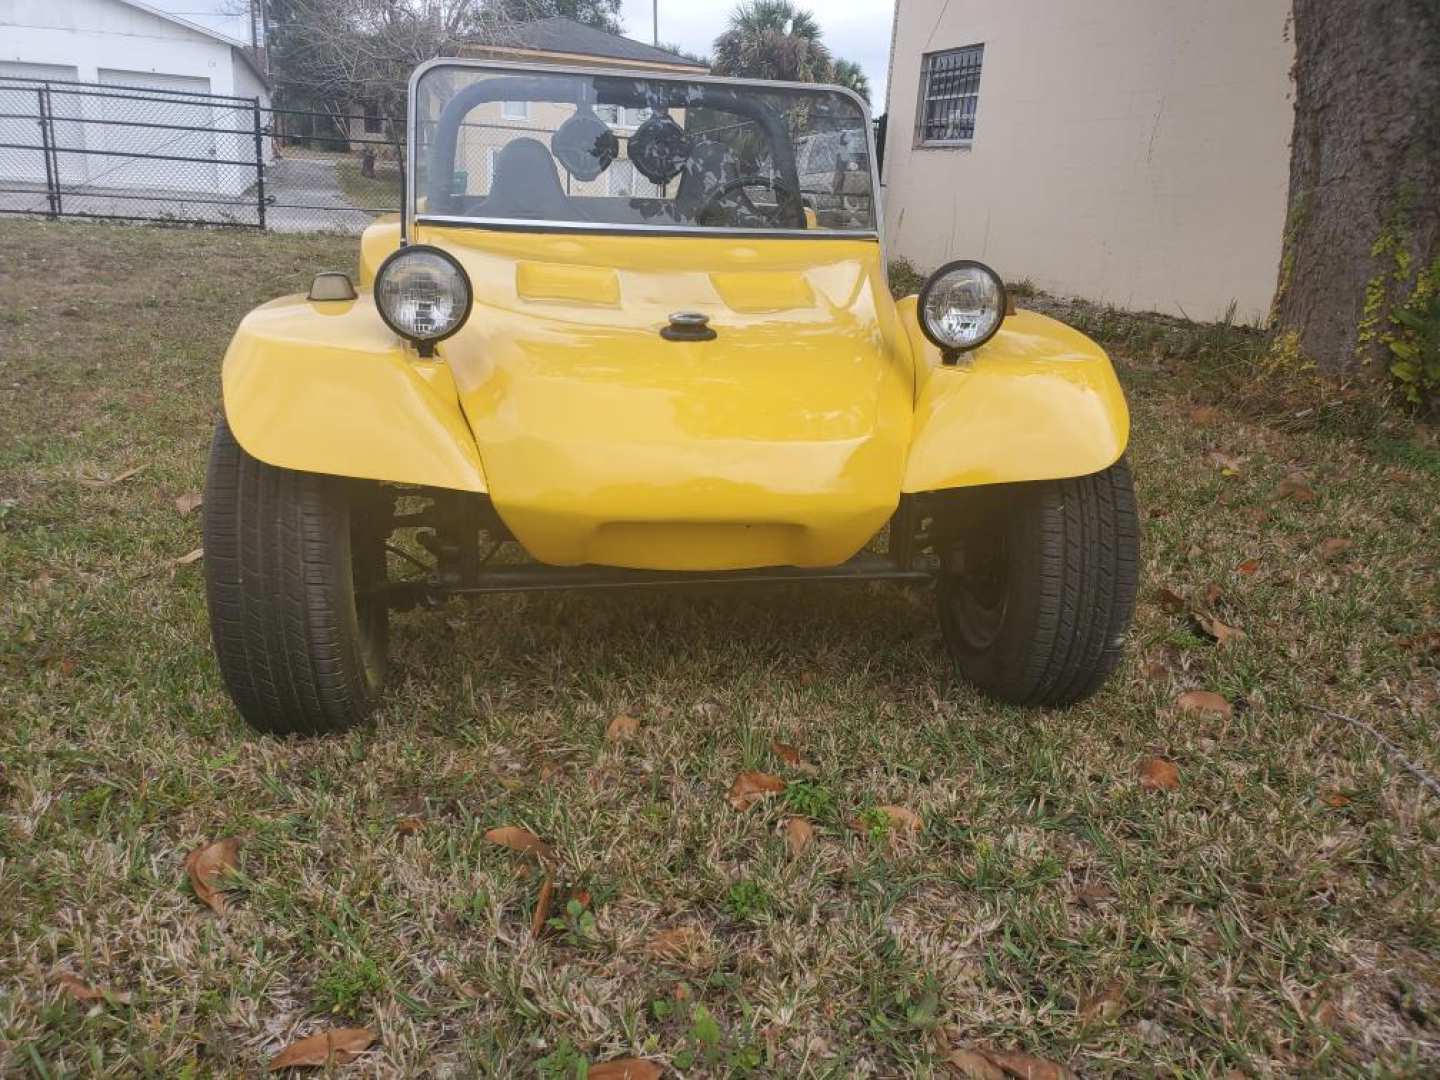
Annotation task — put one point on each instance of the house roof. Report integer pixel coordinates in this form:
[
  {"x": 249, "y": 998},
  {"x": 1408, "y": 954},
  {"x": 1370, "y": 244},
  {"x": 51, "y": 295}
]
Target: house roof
[
  {"x": 204, "y": 31},
  {"x": 558, "y": 34}
]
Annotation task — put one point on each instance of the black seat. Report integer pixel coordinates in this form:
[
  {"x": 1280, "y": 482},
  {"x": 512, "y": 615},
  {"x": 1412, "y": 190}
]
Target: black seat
[{"x": 526, "y": 185}]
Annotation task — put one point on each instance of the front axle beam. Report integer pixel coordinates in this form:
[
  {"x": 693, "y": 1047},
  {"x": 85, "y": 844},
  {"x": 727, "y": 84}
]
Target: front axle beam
[{"x": 534, "y": 577}]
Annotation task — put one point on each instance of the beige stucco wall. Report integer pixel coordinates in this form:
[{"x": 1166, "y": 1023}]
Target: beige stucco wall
[{"x": 1133, "y": 152}]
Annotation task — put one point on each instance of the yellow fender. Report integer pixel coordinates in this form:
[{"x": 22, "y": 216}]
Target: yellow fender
[
  {"x": 1038, "y": 401},
  {"x": 327, "y": 387}
]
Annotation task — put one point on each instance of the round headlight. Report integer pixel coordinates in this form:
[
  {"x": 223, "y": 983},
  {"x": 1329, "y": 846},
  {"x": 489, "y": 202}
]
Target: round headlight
[
  {"x": 423, "y": 294},
  {"x": 962, "y": 305}
]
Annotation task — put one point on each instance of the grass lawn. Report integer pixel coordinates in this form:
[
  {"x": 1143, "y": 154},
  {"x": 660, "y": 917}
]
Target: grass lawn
[
  {"x": 1274, "y": 913},
  {"x": 382, "y": 191}
]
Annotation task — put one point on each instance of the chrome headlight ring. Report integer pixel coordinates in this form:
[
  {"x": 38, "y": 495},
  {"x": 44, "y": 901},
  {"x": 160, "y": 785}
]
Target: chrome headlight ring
[
  {"x": 423, "y": 294},
  {"x": 961, "y": 307}
]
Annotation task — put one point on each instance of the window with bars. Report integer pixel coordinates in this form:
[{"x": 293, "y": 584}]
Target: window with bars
[{"x": 949, "y": 90}]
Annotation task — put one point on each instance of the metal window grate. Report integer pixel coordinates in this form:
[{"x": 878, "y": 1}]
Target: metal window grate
[{"x": 949, "y": 91}]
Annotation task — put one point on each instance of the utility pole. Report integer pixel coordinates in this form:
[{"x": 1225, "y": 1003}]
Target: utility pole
[
  {"x": 655, "y": 21},
  {"x": 265, "y": 33}
]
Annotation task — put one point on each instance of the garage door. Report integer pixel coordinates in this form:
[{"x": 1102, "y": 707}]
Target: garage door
[
  {"x": 19, "y": 102},
  {"x": 173, "y": 107}
]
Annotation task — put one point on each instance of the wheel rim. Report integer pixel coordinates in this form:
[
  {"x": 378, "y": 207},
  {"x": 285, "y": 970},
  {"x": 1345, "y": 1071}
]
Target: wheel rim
[{"x": 977, "y": 590}]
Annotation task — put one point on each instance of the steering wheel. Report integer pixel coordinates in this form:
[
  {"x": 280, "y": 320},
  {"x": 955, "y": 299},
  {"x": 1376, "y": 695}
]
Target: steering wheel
[{"x": 784, "y": 199}]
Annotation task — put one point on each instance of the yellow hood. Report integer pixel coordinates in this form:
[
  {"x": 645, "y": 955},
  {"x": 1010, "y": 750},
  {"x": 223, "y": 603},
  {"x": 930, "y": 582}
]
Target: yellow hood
[{"x": 782, "y": 441}]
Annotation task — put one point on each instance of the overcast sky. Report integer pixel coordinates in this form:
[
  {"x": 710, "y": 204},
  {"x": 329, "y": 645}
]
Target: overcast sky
[{"x": 856, "y": 30}]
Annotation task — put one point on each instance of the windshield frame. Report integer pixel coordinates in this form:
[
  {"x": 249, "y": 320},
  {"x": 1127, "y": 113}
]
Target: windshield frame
[{"x": 410, "y": 217}]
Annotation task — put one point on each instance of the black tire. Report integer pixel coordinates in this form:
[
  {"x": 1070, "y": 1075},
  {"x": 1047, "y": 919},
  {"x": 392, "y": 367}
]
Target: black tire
[
  {"x": 301, "y": 649},
  {"x": 1039, "y": 584}
]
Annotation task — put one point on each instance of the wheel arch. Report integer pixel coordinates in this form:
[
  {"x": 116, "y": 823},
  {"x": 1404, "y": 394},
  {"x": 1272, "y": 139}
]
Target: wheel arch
[
  {"x": 1039, "y": 401},
  {"x": 326, "y": 387}
]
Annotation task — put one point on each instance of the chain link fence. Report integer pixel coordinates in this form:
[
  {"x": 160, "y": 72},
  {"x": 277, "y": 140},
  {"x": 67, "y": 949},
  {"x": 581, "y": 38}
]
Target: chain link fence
[{"x": 148, "y": 153}]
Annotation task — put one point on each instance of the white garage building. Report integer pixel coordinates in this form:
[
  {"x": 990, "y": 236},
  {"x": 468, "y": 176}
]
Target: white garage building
[{"x": 114, "y": 45}]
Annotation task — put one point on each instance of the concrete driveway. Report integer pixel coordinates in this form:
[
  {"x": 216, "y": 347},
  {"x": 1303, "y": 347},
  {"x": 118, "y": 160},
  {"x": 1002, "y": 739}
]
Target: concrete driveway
[{"x": 303, "y": 195}]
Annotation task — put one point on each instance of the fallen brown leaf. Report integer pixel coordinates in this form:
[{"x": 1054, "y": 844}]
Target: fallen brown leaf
[
  {"x": 1204, "y": 414},
  {"x": 1335, "y": 547},
  {"x": 903, "y": 819},
  {"x": 77, "y": 988},
  {"x": 750, "y": 787},
  {"x": 118, "y": 478},
  {"x": 621, "y": 728},
  {"x": 189, "y": 557},
  {"x": 542, "y": 906},
  {"x": 409, "y": 826},
  {"x": 1093, "y": 893},
  {"x": 626, "y": 1069},
  {"x": 1221, "y": 632},
  {"x": 1158, "y": 774},
  {"x": 205, "y": 867},
  {"x": 1106, "y": 1005},
  {"x": 1026, "y": 1067},
  {"x": 1206, "y": 702},
  {"x": 1227, "y": 463},
  {"x": 799, "y": 835},
  {"x": 1249, "y": 567},
  {"x": 787, "y": 753},
  {"x": 189, "y": 502},
  {"x": 974, "y": 1066},
  {"x": 337, "y": 1045},
  {"x": 83, "y": 991},
  {"x": 899, "y": 818},
  {"x": 1171, "y": 602},
  {"x": 521, "y": 840},
  {"x": 1296, "y": 488},
  {"x": 676, "y": 943},
  {"x": 1336, "y": 799},
  {"x": 1213, "y": 595},
  {"x": 1255, "y": 515}
]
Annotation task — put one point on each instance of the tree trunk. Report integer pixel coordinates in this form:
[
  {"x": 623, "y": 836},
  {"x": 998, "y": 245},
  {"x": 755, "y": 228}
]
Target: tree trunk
[{"x": 1362, "y": 236}]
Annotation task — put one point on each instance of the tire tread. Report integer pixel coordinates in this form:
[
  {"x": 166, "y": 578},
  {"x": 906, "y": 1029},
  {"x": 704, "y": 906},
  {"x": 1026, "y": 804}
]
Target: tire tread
[
  {"x": 1073, "y": 583},
  {"x": 281, "y": 596}
]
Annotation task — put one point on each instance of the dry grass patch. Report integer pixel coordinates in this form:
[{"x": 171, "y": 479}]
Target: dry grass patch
[{"x": 1269, "y": 907}]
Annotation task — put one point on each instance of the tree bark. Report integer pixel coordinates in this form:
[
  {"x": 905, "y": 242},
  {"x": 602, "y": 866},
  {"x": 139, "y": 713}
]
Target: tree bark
[{"x": 1364, "y": 212}]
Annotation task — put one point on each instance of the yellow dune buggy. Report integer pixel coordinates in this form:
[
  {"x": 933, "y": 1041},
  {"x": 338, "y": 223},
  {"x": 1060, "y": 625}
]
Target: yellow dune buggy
[{"x": 618, "y": 328}]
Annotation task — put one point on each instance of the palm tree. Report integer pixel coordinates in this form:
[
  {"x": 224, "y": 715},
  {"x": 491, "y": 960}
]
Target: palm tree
[
  {"x": 848, "y": 73},
  {"x": 680, "y": 50},
  {"x": 772, "y": 39}
]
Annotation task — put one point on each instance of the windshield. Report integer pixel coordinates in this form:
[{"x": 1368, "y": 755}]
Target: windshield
[{"x": 620, "y": 151}]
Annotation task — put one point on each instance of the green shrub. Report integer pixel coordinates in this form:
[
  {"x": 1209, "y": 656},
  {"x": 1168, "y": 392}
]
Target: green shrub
[
  {"x": 1414, "y": 341},
  {"x": 905, "y": 279}
]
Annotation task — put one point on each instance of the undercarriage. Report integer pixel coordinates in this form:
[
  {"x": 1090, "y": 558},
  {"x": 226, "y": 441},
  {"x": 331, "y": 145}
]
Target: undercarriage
[{"x": 462, "y": 534}]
